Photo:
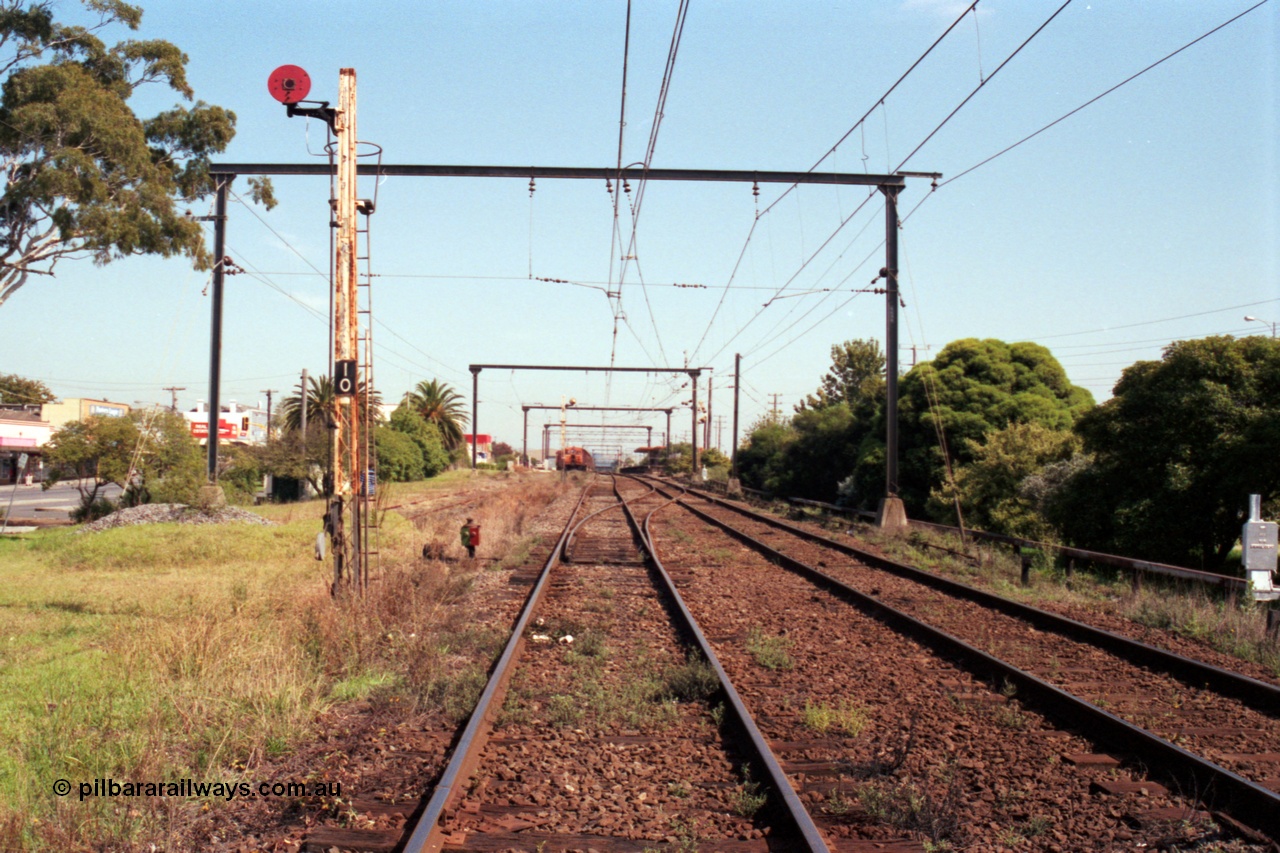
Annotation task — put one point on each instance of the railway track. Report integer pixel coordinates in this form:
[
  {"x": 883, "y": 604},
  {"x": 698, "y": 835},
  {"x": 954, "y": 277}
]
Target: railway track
[
  {"x": 1211, "y": 732},
  {"x": 603, "y": 727}
]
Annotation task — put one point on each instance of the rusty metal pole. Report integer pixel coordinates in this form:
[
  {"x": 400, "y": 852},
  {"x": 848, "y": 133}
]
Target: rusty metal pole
[
  {"x": 525, "y": 445},
  {"x": 666, "y": 436},
  {"x": 475, "y": 413}
]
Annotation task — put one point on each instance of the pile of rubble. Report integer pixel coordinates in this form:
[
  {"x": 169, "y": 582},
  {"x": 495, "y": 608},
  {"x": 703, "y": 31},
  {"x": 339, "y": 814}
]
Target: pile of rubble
[{"x": 172, "y": 513}]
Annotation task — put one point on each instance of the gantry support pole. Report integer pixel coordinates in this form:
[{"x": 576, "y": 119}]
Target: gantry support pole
[
  {"x": 525, "y": 444},
  {"x": 693, "y": 433},
  {"x": 737, "y": 390},
  {"x": 215, "y": 326},
  {"x": 892, "y": 514},
  {"x": 475, "y": 413}
]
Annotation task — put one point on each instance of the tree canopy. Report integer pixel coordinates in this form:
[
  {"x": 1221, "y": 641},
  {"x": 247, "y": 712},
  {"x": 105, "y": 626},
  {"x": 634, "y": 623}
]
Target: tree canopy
[
  {"x": 84, "y": 176},
  {"x": 319, "y": 399},
  {"x": 856, "y": 378},
  {"x": 149, "y": 454},
  {"x": 18, "y": 390},
  {"x": 1177, "y": 451},
  {"x": 441, "y": 405},
  {"x": 973, "y": 388}
]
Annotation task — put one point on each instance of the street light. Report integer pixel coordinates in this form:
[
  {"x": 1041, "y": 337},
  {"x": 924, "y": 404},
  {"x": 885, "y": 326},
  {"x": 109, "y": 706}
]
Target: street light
[{"x": 1251, "y": 319}]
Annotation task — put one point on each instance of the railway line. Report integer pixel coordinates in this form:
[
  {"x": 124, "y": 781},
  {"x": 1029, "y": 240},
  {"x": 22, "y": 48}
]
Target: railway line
[
  {"x": 1207, "y": 728},
  {"x": 668, "y": 685}
]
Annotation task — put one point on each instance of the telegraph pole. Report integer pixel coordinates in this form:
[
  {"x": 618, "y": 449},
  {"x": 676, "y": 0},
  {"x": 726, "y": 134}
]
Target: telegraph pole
[
  {"x": 173, "y": 393},
  {"x": 773, "y": 413},
  {"x": 737, "y": 390},
  {"x": 304, "y": 410},
  {"x": 269, "y": 392}
]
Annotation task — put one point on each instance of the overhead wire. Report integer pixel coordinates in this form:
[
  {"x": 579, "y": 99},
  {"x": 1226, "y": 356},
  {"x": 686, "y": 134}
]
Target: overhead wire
[
  {"x": 858, "y": 124},
  {"x": 913, "y": 152}
]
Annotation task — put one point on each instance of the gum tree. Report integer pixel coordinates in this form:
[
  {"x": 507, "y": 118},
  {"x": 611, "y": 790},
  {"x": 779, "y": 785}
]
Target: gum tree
[{"x": 84, "y": 176}]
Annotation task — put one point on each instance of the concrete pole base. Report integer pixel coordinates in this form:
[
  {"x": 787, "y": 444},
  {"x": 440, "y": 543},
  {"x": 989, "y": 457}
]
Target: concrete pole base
[
  {"x": 211, "y": 497},
  {"x": 735, "y": 487},
  {"x": 892, "y": 515}
]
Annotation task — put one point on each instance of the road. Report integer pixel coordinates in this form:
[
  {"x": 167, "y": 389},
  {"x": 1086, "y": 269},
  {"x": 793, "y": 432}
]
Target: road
[{"x": 55, "y": 504}]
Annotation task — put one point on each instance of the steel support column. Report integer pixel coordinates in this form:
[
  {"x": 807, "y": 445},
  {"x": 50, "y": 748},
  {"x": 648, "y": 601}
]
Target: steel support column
[
  {"x": 475, "y": 413},
  {"x": 737, "y": 389},
  {"x": 890, "y": 273},
  {"x": 525, "y": 444},
  {"x": 693, "y": 433},
  {"x": 215, "y": 326}
]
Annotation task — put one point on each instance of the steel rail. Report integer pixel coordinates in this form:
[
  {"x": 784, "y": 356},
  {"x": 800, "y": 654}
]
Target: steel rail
[
  {"x": 1248, "y": 802},
  {"x": 792, "y": 809},
  {"x": 427, "y": 834},
  {"x": 1130, "y": 564},
  {"x": 568, "y": 543},
  {"x": 1259, "y": 695}
]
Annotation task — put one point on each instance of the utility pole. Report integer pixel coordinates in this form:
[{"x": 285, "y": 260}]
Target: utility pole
[
  {"x": 719, "y": 431},
  {"x": 304, "y": 409},
  {"x": 173, "y": 393},
  {"x": 773, "y": 413},
  {"x": 737, "y": 390},
  {"x": 706, "y": 436},
  {"x": 269, "y": 392}
]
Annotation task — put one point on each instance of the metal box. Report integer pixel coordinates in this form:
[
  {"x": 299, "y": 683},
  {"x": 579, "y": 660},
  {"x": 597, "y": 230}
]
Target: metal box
[{"x": 1258, "y": 544}]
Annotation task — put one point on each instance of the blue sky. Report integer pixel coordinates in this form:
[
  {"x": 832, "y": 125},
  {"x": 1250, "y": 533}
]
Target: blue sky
[{"x": 1150, "y": 216}]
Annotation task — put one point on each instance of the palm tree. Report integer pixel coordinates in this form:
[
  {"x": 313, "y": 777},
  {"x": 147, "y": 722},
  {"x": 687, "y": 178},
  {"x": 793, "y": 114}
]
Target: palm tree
[
  {"x": 320, "y": 403},
  {"x": 439, "y": 404}
]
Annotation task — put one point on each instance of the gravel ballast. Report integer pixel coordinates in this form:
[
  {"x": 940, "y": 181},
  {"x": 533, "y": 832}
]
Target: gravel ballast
[{"x": 172, "y": 514}]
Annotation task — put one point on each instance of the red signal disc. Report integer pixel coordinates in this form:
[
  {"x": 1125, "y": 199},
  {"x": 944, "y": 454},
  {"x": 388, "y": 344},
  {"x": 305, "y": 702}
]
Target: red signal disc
[{"x": 289, "y": 84}]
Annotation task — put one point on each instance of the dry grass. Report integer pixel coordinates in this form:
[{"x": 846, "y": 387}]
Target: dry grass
[{"x": 170, "y": 652}]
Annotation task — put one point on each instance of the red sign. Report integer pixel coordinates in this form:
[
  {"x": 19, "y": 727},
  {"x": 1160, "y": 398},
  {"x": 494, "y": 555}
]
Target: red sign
[{"x": 200, "y": 429}]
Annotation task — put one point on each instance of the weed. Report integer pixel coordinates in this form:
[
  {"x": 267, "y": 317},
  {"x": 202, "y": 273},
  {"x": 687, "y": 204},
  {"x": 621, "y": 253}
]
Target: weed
[
  {"x": 769, "y": 651},
  {"x": 1034, "y": 827},
  {"x": 678, "y": 789},
  {"x": 591, "y": 644},
  {"x": 844, "y": 717},
  {"x": 747, "y": 797},
  {"x": 717, "y": 714},
  {"x": 914, "y": 808},
  {"x": 693, "y": 681},
  {"x": 837, "y": 803},
  {"x": 1010, "y": 716},
  {"x": 563, "y": 711}
]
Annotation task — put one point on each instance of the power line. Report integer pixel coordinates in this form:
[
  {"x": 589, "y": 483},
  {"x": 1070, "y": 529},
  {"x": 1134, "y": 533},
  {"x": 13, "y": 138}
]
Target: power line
[
  {"x": 905, "y": 160},
  {"x": 1097, "y": 98},
  {"x": 856, "y": 125}
]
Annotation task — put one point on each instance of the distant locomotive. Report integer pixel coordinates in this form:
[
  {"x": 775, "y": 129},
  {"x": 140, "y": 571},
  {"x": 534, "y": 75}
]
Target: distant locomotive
[{"x": 574, "y": 459}]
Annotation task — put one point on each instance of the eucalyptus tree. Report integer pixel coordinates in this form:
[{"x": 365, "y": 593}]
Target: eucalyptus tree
[{"x": 84, "y": 176}]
